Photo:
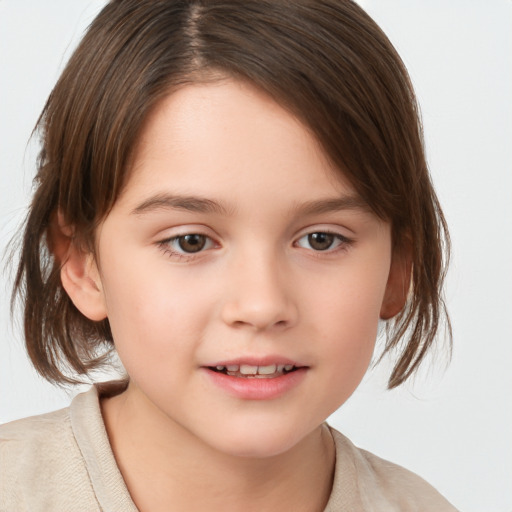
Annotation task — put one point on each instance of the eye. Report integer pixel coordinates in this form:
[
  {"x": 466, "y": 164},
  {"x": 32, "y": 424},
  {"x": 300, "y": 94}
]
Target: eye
[
  {"x": 191, "y": 243},
  {"x": 322, "y": 241},
  {"x": 187, "y": 244}
]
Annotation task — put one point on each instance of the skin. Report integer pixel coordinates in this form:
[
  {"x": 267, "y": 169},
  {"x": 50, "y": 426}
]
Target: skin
[{"x": 259, "y": 288}]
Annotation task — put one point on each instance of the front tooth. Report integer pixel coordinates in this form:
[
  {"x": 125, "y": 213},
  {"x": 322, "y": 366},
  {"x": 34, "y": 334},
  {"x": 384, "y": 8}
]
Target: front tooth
[
  {"x": 247, "y": 369},
  {"x": 232, "y": 367},
  {"x": 267, "y": 370},
  {"x": 288, "y": 367},
  {"x": 220, "y": 368},
  {"x": 280, "y": 368}
]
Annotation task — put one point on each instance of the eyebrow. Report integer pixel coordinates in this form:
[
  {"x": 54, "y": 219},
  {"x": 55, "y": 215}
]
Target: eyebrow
[
  {"x": 203, "y": 205},
  {"x": 188, "y": 203},
  {"x": 348, "y": 202}
]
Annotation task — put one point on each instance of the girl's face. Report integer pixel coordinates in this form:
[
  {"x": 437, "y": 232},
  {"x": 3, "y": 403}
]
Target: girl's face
[{"x": 235, "y": 249}]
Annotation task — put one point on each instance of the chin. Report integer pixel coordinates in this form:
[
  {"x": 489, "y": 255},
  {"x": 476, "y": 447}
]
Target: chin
[{"x": 265, "y": 442}]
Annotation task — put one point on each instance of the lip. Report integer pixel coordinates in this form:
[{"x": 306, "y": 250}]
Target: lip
[{"x": 251, "y": 388}]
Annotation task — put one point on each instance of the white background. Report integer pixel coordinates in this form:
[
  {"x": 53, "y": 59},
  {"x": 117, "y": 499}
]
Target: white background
[{"x": 454, "y": 426}]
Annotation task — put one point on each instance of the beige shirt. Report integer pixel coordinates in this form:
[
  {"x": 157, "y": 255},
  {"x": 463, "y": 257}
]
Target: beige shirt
[{"x": 62, "y": 462}]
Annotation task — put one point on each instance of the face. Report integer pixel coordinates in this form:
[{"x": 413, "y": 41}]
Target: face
[{"x": 242, "y": 277}]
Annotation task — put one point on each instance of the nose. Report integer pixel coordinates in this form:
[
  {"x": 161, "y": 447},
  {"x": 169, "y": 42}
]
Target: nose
[{"x": 259, "y": 296}]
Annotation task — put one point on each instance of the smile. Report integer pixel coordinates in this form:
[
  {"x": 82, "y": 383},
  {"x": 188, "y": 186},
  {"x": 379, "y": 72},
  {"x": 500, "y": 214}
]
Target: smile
[
  {"x": 259, "y": 372},
  {"x": 256, "y": 378}
]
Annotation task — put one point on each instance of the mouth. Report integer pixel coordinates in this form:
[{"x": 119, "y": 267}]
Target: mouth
[
  {"x": 250, "y": 378},
  {"x": 248, "y": 371}
]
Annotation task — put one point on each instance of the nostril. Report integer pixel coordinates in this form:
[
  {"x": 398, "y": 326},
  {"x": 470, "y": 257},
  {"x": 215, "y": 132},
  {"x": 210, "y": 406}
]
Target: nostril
[{"x": 247, "y": 312}]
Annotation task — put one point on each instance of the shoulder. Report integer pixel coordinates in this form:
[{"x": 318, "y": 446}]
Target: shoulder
[
  {"x": 35, "y": 439},
  {"x": 34, "y": 426},
  {"x": 383, "y": 485},
  {"x": 41, "y": 464}
]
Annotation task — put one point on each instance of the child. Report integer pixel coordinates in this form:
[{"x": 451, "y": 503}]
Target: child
[{"x": 230, "y": 195}]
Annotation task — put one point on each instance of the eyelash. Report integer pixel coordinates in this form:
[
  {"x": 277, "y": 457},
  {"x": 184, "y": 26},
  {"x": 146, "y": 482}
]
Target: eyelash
[{"x": 166, "y": 245}]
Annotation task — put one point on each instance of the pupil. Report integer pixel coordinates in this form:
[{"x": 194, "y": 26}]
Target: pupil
[
  {"x": 320, "y": 241},
  {"x": 192, "y": 243}
]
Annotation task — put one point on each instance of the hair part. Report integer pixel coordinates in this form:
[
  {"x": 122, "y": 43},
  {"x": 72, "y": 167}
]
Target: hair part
[{"x": 326, "y": 61}]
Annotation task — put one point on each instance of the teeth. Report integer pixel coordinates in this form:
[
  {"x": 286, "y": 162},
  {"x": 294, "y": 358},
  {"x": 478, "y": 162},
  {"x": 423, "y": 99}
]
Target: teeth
[
  {"x": 267, "y": 370},
  {"x": 247, "y": 369}
]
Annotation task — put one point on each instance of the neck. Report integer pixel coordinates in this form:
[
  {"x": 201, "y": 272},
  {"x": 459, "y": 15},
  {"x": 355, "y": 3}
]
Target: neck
[{"x": 163, "y": 463}]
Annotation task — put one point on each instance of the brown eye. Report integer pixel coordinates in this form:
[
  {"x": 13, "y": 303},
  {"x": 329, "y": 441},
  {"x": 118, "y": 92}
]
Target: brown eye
[
  {"x": 191, "y": 243},
  {"x": 320, "y": 241}
]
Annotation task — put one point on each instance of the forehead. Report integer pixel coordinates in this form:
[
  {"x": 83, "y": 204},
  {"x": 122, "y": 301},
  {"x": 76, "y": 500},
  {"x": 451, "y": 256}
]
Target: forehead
[{"x": 229, "y": 138}]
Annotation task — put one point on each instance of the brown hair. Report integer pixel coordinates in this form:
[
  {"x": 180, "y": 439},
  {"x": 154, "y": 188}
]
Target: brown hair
[{"x": 325, "y": 60}]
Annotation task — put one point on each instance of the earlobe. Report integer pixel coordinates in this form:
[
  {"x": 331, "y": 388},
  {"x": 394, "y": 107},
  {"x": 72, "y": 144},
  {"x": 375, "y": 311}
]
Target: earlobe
[{"x": 398, "y": 285}]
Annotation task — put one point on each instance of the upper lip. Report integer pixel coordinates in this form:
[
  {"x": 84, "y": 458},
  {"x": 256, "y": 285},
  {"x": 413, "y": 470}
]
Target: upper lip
[{"x": 256, "y": 361}]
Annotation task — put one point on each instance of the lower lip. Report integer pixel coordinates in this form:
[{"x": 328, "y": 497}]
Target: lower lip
[{"x": 248, "y": 388}]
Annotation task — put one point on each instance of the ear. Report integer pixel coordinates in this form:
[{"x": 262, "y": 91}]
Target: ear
[
  {"x": 79, "y": 272},
  {"x": 81, "y": 280},
  {"x": 398, "y": 284}
]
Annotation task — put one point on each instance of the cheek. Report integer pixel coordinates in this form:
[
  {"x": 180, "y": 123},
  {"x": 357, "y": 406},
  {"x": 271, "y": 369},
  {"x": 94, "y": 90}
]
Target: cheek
[
  {"x": 155, "y": 315},
  {"x": 350, "y": 301},
  {"x": 349, "y": 341},
  {"x": 347, "y": 322},
  {"x": 347, "y": 350}
]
